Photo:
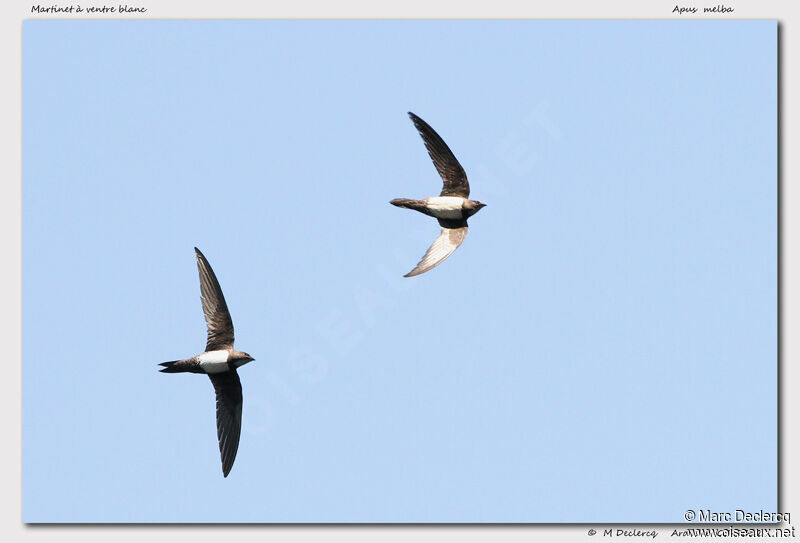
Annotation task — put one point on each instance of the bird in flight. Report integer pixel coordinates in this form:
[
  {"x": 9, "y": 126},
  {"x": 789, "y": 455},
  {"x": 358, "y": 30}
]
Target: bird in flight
[
  {"x": 452, "y": 207},
  {"x": 219, "y": 362}
]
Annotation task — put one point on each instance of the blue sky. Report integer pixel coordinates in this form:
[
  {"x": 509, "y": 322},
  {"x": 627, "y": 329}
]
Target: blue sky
[{"x": 601, "y": 348}]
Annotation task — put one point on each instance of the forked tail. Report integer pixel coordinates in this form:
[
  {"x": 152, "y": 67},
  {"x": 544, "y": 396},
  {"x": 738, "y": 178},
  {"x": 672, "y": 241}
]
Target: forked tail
[{"x": 170, "y": 367}]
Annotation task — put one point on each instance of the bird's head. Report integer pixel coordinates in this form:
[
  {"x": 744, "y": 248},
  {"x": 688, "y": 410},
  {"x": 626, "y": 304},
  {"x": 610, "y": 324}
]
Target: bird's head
[
  {"x": 473, "y": 206},
  {"x": 240, "y": 358}
]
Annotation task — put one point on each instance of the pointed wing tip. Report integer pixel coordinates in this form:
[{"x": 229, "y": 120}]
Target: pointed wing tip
[{"x": 227, "y": 463}]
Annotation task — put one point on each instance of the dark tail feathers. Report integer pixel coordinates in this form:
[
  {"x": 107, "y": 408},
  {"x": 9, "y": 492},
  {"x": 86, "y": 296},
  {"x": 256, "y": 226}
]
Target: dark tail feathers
[
  {"x": 169, "y": 367},
  {"x": 407, "y": 203}
]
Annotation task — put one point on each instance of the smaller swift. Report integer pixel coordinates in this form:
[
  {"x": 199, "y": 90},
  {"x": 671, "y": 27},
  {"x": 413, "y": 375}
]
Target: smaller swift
[{"x": 451, "y": 208}]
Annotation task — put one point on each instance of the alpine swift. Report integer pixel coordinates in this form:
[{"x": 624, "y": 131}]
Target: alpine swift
[
  {"x": 452, "y": 207},
  {"x": 219, "y": 362}
]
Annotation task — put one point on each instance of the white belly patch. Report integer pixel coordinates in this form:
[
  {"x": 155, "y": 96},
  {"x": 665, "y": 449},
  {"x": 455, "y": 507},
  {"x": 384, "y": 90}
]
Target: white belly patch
[
  {"x": 445, "y": 207},
  {"x": 214, "y": 361}
]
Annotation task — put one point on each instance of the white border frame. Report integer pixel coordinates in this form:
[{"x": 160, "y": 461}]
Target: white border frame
[{"x": 785, "y": 11}]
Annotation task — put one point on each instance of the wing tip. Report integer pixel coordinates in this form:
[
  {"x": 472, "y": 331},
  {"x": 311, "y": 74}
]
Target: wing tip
[
  {"x": 416, "y": 119},
  {"x": 227, "y": 456}
]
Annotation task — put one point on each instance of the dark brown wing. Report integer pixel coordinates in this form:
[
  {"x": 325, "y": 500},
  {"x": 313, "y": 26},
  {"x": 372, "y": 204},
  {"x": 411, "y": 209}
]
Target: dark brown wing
[
  {"x": 229, "y": 415},
  {"x": 453, "y": 175},
  {"x": 218, "y": 319}
]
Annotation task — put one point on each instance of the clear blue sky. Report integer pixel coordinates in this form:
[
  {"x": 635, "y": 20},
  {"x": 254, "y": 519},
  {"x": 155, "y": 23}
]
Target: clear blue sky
[{"x": 601, "y": 348}]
